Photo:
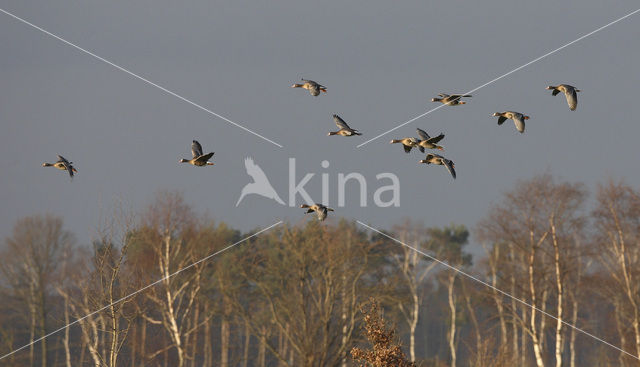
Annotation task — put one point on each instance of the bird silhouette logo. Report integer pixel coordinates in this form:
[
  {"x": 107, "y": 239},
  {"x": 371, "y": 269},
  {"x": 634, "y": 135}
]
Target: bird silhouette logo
[{"x": 260, "y": 184}]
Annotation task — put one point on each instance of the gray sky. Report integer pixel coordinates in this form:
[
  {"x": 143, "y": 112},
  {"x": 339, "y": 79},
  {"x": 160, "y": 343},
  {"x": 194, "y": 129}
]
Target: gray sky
[{"x": 382, "y": 62}]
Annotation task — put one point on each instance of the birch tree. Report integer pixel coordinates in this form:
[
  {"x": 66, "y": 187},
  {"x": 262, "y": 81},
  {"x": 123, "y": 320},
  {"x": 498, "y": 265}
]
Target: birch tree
[
  {"x": 617, "y": 220},
  {"x": 539, "y": 221},
  {"x": 31, "y": 258},
  {"x": 169, "y": 238}
]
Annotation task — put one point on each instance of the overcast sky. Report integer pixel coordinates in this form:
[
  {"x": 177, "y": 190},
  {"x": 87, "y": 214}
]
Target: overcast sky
[{"x": 382, "y": 62}]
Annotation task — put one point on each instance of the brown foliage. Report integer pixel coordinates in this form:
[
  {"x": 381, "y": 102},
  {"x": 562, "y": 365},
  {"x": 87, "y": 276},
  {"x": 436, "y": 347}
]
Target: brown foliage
[{"x": 385, "y": 350}]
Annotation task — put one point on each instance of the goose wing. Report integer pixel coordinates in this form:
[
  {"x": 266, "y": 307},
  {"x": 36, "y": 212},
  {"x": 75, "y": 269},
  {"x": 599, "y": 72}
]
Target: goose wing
[
  {"x": 322, "y": 212},
  {"x": 501, "y": 119},
  {"x": 314, "y": 89},
  {"x": 63, "y": 160},
  {"x": 67, "y": 165},
  {"x": 449, "y": 164},
  {"x": 572, "y": 98},
  {"x": 340, "y": 122},
  {"x": 69, "y": 169},
  {"x": 518, "y": 119},
  {"x": 196, "y": 149},
  {"x": 435, "y": 139},
  {"x": 204, "y": 158},
  {"x": 423, "y": 134}
]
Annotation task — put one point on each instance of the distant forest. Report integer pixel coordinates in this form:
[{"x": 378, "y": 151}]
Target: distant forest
[{"x": 293, "y": 295}]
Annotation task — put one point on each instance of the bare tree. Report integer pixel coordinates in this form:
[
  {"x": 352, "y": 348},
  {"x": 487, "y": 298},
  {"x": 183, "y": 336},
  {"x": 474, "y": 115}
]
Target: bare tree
[
  {"x": 296, "y": 277},
  {"x": 448, "y": 242},
  {"x": 617, "y": 220},
  {"x": 31, "y": 260},
  {"x": 540, "y": 219},
  {"x": 169, "y": 238},
  {"x": 97, "y": 280},
  {"x": 414, "y": 268}
]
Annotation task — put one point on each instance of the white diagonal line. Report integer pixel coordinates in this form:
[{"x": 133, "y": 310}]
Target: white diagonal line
[
  {"x": 142, "y": 289},
  {"x": 496, "y": 289},
  {"x": 504, "y": 75},
  {"x": 139, "y": 77}
]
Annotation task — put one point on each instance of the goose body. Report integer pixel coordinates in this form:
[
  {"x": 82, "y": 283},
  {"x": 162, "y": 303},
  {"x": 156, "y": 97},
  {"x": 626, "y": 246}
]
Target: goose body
[
  {"x": 427, "y": 142},
  {"x": 517, "y": 117},
  {"x": 440, "y": 161},
  {"x": 450, "y": 99},
  {"x": 570, "y": 92},
  {"x": 198, "y": 159},
  {"x": 345, "y": 130},
  {"x": 407, "y": 143},
  {"x": 63, "y": 165},
  {"x": 321, "y": 210},
  {"x": 313, "y": 87}
]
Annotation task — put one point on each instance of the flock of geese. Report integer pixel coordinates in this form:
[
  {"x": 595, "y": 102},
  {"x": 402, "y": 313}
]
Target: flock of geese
[{"x": 422, "y": 142}]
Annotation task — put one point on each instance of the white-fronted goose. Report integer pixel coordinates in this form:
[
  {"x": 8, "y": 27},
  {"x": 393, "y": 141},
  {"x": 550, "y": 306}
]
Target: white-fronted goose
[
  {"x": 569, "y": 91},
  {"x": 313, "y": 87},
  {"x": 62, "y": 164},
  {"x": 407, "y": 143},
  {"x": 428, "y": 142},
  {"x": 198, "y": 159},
  {"x": 450, "y": 99},
  {"x": 345, "y": 130},
  {"x": 441, "y": 161},
  {"x": 517, "y": 117},
  {"x": 321, "y": 210}
]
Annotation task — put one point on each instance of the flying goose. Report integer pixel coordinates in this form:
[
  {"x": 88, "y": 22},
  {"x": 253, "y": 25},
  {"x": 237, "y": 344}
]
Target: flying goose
[
  {"x": 198, "y": 159},
  {"x": 313, "y": 87},
  {"x": 62, "y": 164},
  {"x": 569, "y": 91},
  {"x": 345, "y": 130},
  {"x": 517, "y": 117},
  {"x": 407, "y": 143},
  {"x": 321, "y": 210},
  {"x": 450, "y": 99},
  {"x": 428, "y": 142},
  {"x": 442, "y": 161}
]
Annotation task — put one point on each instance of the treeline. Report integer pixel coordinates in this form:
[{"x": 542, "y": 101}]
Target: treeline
[{"x": 292, "y": 296}]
